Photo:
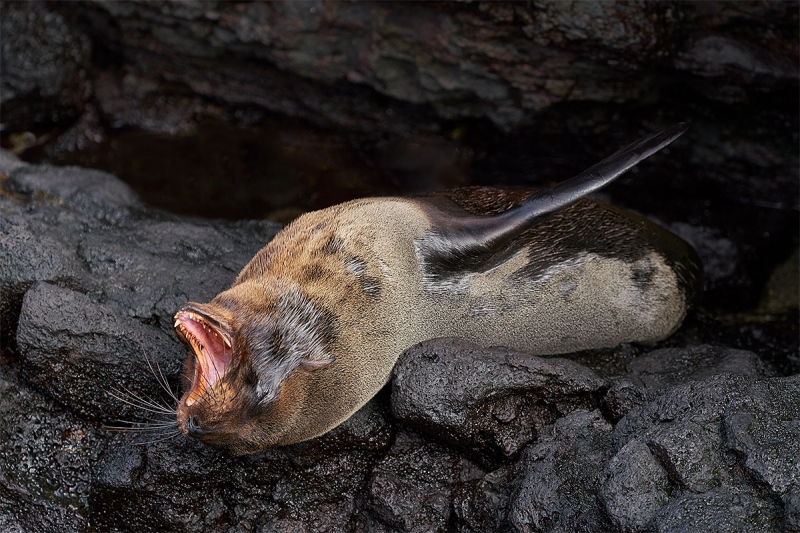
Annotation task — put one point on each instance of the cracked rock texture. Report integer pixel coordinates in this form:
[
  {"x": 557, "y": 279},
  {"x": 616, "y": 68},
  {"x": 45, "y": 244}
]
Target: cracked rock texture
[{"x": 697, "y": 433}]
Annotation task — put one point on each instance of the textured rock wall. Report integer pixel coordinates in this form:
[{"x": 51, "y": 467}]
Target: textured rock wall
[{"x": 359, "y": 64}]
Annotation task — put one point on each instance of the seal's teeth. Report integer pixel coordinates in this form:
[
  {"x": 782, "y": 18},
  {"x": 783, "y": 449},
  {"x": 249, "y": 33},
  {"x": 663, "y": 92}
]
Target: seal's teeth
[
  {"x": 177, "y": 323},
  {"x": 227, "y": 342}
]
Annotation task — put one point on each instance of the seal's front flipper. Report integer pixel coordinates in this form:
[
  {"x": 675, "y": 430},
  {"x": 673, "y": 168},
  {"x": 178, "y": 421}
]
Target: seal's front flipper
[{"x": 458, "y": 239}]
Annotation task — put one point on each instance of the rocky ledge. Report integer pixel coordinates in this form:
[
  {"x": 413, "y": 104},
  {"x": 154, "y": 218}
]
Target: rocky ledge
[{"x": 690, "y": 435}]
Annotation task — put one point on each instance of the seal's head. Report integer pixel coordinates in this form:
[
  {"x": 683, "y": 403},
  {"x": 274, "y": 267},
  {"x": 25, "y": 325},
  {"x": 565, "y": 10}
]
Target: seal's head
[
  {"x": 313, "y": 325},
  {"x": 252, "y": 349}
]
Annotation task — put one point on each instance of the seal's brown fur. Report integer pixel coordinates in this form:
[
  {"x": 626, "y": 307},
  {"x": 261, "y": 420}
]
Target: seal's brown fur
[{"x": 320, "y": 315}]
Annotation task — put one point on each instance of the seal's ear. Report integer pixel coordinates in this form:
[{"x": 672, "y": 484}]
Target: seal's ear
[
  {"x": 315, "y": 364},
  {"x": 459, "y": 239}
]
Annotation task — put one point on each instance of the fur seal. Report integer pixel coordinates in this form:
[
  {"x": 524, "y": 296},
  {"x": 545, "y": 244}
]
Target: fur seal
[{"x": 312, "y": 326}]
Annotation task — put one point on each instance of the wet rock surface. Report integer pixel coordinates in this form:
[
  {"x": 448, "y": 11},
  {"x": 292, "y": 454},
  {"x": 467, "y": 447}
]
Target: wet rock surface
[
  {"x": 243, "y": 110},
  {"x": 46, "y": 458},
  {"x": 490, "y": 402},
  {"x": 558, "y": 477},
  {"x": 411, "y": 488},
  {"x": 679, "y": 461},
  {"x": 66, "y": 340}
]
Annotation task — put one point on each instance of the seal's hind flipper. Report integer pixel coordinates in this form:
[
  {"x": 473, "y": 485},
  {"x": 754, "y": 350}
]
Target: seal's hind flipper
[
  {"x": 598, "y": 175},
  {"x": 458, "y": 239}
]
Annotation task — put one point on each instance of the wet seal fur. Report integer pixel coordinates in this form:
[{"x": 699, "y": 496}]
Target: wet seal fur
[{"x": 313, "y": 325}]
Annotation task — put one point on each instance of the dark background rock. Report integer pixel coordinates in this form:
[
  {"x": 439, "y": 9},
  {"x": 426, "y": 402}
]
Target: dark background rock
[{"x": 250, "y": 110}]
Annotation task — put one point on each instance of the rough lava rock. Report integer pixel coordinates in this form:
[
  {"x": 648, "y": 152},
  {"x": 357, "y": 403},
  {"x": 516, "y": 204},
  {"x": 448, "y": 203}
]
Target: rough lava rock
[
  {"x": 348, "y": 63},
  {"x": 66, "y": 341},
  {"x": 487, "y": 401},
  {"x": 46, "y": 457},
  {"x": 411, "y": 488},
  {"x": 558, "y": 476},
  {"x": 667, "y": 367},
  {"x": 690, "y": 453}
]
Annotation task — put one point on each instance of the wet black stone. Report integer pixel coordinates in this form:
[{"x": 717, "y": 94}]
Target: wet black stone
[
  {"x": 666, "y": 367},
  {"x": 323, "y": 495},
  {"x": 719, "y": 510},
  {"x": 368, "y": 429},
  {"x": 480, "y": 505},
  {"x": 768, "y": 448},
  {"x": 92, "y": 192},
  {"x": 791, "y": 516},
  {"x": 634, "y": 487},
  {"x": 87, "y": 356},
  {"x": 411, "y": 488},
  {"x": 489, "y": 402},
  {"x": 558, "y": 476},
  {"x": 199, "y": 483},
  {"x": 689, "y": 455},
  {"x": 621, "y": 397},
  {"x": 120, "y": 465},
  {"x": 45, "y": 462}
]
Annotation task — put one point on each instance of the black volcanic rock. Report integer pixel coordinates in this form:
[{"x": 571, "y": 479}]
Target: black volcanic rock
[
  {"x": 559, "y": 478},
  {"x": 487, "y": 401},
  {"x": 667, "y": 367},
  {"x": 346, "y": 64},
  {"x": 87, "y": 356},
  {"x": 45, "y": 462},
  {"x": 687, "y": 456},
  {"x": 411, "y": 488}
]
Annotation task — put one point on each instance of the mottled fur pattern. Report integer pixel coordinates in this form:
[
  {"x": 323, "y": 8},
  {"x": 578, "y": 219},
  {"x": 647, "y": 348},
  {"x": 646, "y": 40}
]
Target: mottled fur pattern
[{"x": 320, "y": 315}]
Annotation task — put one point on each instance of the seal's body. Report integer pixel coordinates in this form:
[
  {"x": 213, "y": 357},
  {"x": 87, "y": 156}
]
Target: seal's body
[{"x": 313, "y": 325}]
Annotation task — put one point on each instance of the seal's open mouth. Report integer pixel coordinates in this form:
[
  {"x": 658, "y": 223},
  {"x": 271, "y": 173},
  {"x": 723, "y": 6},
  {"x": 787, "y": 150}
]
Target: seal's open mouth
[{"x": 211, "y": 346}]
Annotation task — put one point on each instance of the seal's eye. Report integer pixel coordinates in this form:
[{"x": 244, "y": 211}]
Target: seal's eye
[{"x": 211, "y": 347}]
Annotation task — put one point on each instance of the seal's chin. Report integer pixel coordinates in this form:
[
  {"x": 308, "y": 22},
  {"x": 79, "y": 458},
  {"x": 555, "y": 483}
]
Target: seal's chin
[{"x": 211, "y": 347}]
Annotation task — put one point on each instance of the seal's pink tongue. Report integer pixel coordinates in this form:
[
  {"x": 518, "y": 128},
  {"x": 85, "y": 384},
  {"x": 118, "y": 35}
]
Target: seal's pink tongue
[{"x": 210, "y": 348}]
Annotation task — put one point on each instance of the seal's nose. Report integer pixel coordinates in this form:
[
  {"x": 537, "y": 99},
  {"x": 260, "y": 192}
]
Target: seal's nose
[{"x": 193, "y": 429}]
